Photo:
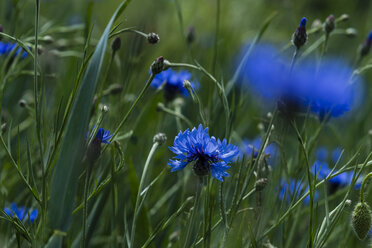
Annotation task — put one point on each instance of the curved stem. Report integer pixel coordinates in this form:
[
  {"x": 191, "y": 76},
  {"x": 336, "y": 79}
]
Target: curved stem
[
  {"x": 221, "y": 91},
  {"x": 137, "y": 207},
  {"x": 363, "y": 185}
]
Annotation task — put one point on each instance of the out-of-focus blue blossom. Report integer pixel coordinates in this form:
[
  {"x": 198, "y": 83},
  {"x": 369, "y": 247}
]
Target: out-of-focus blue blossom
[
  {"x": 326, "y": 88},
  {"x": 289, "y": 189},
  {"x": 250, "y": 147},
  {"x": 322, "y": 169},
  {"x": 6, "y": 48},
  {"x": 173, "y": 82},
  {"x": 22, "y": 213},
  {"x": 210, "y": 155},
  {"x": 102, "y": 136}
]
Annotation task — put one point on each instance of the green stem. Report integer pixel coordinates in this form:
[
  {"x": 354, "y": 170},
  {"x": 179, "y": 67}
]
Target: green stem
[
  {"x": 85, "y": 212},
  {"x": 137, "y": 207},
  {"x": 133, "y": 105},
  {"x": 363, "y": 185},
  {"x": 221, "y": 91}
]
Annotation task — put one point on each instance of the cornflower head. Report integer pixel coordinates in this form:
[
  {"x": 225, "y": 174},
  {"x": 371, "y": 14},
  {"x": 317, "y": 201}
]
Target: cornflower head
[
  {"x": 325, "y": 90},
  {"x": 94, "y": 147},
  {"x": 7, "y": 48},
  {"x": 173, "y": 83},
  {"x": 209, "y": 155},
  {"x": 294, "y": 188},
  {"x": 22, "y": 213}
]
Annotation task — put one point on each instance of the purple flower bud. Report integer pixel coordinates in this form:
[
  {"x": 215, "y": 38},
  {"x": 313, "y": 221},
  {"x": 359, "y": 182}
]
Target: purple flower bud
[{"x": 299, "y": 37}]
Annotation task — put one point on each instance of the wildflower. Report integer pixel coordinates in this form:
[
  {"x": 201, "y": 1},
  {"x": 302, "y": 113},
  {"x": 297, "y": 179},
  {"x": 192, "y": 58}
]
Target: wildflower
[
  {"x": 210, "y": 155},
  {"x": 299, "y": 37},
  {"x": 289, "y": 189},
  {"x": 94, "y": 147},
  {"x": 322, "y": 170},
  {"x": 22, "y": 213},
  {"x": 252, "y": 147},
  {"x": 326, "y": 89},
  {"x": 159, "y": 65},
  {"x": 8, "y": 48},
  {"x": 173, "y": 83}
]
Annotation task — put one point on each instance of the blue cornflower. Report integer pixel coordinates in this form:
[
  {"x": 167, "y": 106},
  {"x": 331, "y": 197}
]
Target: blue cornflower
[
  {"x": 250, "y": 147},
  {"x": 21, "y": 213},
  {"x": 7, "y": 48},
  {"x": 210, "y": 155},
  {"x": 325, "y": 89},
  {"x": 173, "y": 82},
  {"x": 292, "y": 187},
  {"x": 94, "y": 148},
  {"x": 322, "y": 169},
  {"x": 102, "y": 136}
]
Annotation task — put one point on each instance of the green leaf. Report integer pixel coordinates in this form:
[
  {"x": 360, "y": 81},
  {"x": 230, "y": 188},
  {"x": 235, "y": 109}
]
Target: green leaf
[{"x": 67, "y": 168}]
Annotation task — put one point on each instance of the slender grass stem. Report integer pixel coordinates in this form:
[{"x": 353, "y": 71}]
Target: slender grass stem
[
  {"x": 221, "y": 92},
  {"x": 363, "y": 186},
  {"x": 137, "y": 207},
  {"x": 152, "y": 76}
]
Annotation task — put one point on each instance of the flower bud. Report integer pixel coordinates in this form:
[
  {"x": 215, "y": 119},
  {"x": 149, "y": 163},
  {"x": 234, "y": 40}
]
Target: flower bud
[
  {"x": 317, "y": 25},
  {"x": 364, "y": 49},
  {"x": 190, "y": 36},
  {"x": 153, "y": 38},
  {"x": 159, "y": 65},
  {"x": 22, "y": 103},
  {"x": 4, "y": 127},
  {"x": 160, "y": 138},
  {"x": 48, "y": 39},
  {"x": 299, "y": 37},
  {"x": 361, "y": 220},
  {"x": 1, "y": 30},
  {"x": 351, "y": 32},
  {"x": 114, "y": 89},
  {"x": 116, "y": 44},
  {"x": 329, "y": 24},
  {"x": 344, "y": 17},
  {"x": 260, "y": 184},
  {"x": 187, "y": 85}
]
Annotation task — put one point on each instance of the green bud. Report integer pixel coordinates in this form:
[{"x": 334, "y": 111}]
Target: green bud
[{"x": 361, "y": 220}]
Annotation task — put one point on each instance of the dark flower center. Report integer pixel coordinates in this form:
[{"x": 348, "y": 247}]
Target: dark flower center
[{"x": 201, "y": 167}]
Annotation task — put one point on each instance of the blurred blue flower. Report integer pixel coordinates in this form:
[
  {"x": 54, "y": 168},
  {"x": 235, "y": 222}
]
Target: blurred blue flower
[
  {"x": 210, "y": 155},
  {"x": 326, "y": 88},
  {"x": 250, "y": 147},
  {"x": 102, "y": 136},
  {"x": 7, "y": 48},
  {"x": 173, "y": 82},
  {"x": 289, "y": 189},
  {"x": 322, "y": 169},
  {"x": 21, "y": 213}
]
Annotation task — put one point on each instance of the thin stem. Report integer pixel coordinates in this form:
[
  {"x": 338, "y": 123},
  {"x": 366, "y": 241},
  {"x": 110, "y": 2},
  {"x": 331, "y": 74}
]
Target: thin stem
[
  {"x": 221, "y": 91},
  {"x": 137, "y": 207},
  {"x": 193, "y": 214},
  {"x": 85, "y": 212},
  {"x": 133, "y": 105},
  {"x": 215, "y": 53},
  {"x": 363, "y": 185},
  {"x": 294, "y": 59}
]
